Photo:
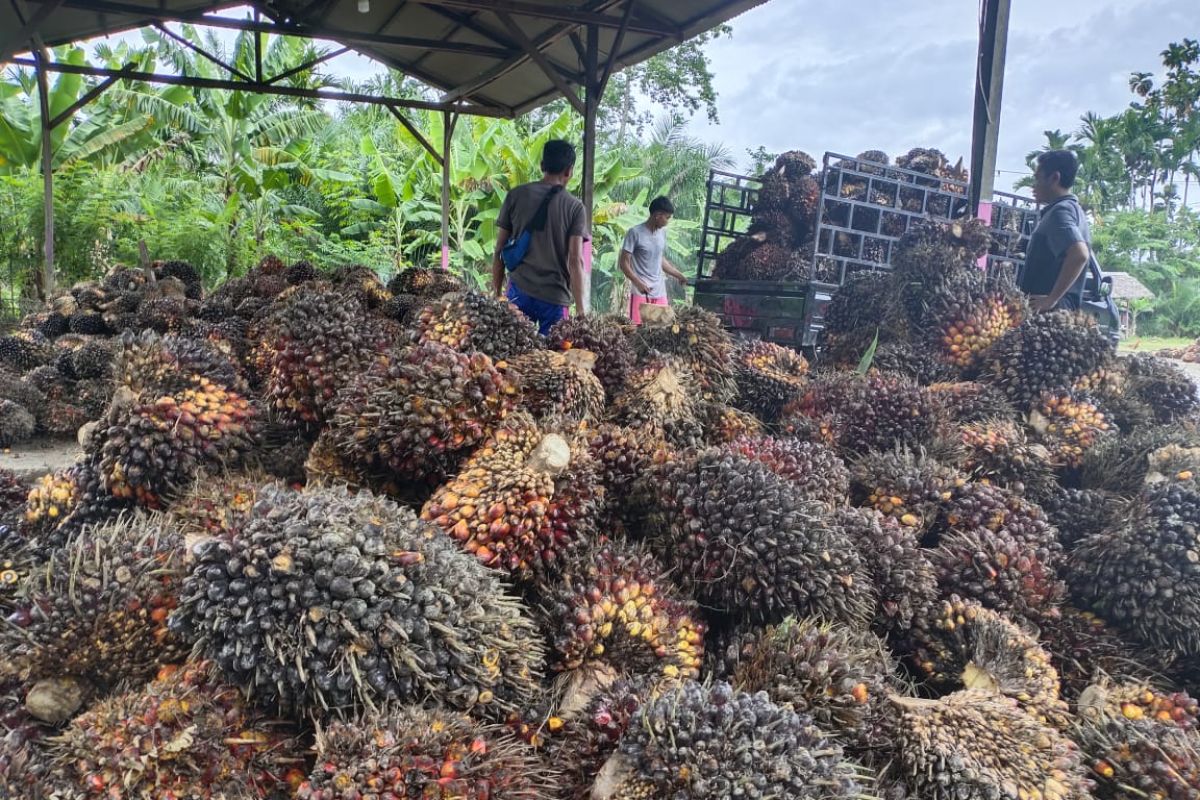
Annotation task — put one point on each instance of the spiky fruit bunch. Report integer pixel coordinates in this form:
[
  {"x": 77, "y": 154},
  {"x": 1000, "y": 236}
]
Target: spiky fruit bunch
[
  {"x": 23, "y": 764},
  {"x": 326, "y": 465},
  {"x": 615, "y": 605},
  {"x": 51, "y": 499},
  {"x": 163, "y": 314},
  {"x": 424, "y": 282},
  {"x": 729, "y": 744},
  {"x": 968, "y": 401},
  {"x": 747, "y": 543},
  {"x": 431, "y": 755},
  {"x": 724, "y": 424},
  {"x": 1123, "y": 465},
  {"x": 623, "y": 456},
  {"x": 768, "y": 377},
  {"x": 838, "y": 675},
  {"x": 327, "y": 601},
  {"x": 1138, "y": 700},
  {"x": 1068, "y": 424},
  {"x": 63, "y": 420},
  {"x": 863, "y": 303},
  {"x": 932, "y": 250},
  {"x": 904, "y": 579},
  {"x": 474, "y": 321},
  {"x": 1163, "y": 386},
  {"x": 604, "y": 336},
  {"x": 183, "y": 272},
  {"x": 584, "y": 741},
  {"x": 974, "y": 745},
  {"x": 1144, "y": 575},
  {"x": 1079, "y": 513},
  {"x": 419, "y": 410},
  {"x": 662, "y": 396},
  {"x": 559, "y": 385},
  {"x": 968, "y": 313},
  {"x": 17, "y": 424},
  {"x": 906, "y": 485},
  {"x": 301, "y": 272},
  {"x": 522, "y": 502},
  {"x": 24, "y": 350},
  {"x": 317, "y": 340},
  {"x": 867, "y": 412},
  {"x": 696, "y": 339},
  {"x": 363, "y": 283},
  {"x": 14, "y": 491},
  {"x": 62, "y": 503},
  {"x": 998, "y": 451},
  {"x": 93, "y": 359},
  {"x": 159, "y": 365},
  {"x": 1047, "y": 351},
  {"x": 152, "y": 447},
  {"x": 87, "y": 323},
  {"x": 1135, "y": 758},
  {"x": 756, "y": 257},
  {"x": 1083, "y": 648},
  {"x": 98, "y": 612},
  {"x": 185, "y": 734},
  {"x": 813, "y": 468},
  {"x": 996, "y": 548}
]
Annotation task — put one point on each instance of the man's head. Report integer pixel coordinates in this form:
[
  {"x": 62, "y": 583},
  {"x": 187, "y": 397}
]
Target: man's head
[
  {"x": 661, "y": 211},
  {"x": 1055, "y": 175},
  {"x": 558, "y": 159}
]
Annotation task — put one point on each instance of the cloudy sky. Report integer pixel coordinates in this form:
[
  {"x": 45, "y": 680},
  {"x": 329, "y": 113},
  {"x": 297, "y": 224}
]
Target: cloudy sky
[{"x": 875, "y": 74}]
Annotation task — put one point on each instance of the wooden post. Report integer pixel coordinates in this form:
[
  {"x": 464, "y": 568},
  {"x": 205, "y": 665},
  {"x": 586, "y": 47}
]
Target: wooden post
[
  {"x": 46, "y": 285},
  {"x": 591, "y": 102},
  {"x": 448, "y": 121}
]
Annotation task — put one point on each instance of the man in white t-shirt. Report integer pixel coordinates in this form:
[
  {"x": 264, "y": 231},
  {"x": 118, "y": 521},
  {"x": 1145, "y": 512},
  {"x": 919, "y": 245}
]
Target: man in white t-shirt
[{"x": 644, "y": 260}]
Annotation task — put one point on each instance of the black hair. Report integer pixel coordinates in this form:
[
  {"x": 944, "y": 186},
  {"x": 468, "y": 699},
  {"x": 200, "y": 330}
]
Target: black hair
[
  {"x": 558, "y": 156},
  {"x": 662, "y": 204},
  {"x": 1063, "y": 162}
]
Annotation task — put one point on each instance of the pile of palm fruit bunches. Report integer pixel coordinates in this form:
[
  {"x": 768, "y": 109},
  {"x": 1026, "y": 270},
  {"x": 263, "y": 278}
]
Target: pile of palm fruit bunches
[
  {"x": 781, "y": 239},
  {"x": 332, "y": 539}
]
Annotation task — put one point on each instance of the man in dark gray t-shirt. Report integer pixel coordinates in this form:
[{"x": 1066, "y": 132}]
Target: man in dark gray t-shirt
[
  {"x": 1061, "y": 246},
  {"x": 550, "y": 276}
]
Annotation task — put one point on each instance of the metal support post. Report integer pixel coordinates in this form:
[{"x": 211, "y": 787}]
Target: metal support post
[
  {"x": 989, "y": 87},
  {"x": 449, "y": 120},
  {"x": 46, "y": 284},
  {"x": 591, "y": 101}
]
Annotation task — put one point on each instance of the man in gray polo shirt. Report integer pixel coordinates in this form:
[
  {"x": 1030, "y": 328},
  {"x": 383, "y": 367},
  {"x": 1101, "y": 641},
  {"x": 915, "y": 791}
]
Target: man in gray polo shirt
[
  {"x": 644, "y": 261},
  {"x": 1061, "y": 246}
]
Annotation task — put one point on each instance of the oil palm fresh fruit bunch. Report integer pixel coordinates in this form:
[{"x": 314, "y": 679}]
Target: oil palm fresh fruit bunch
[
  {"x": 606, "y": 336},
  {"x": 473, "y": 321},
  {"x": 1166, "y": 388},
  {"x": 768, "y": 378},
  {"x": 695, "y": 338},
  {"x": 907, "y": 485},
  {"x": 867, "y": 412},
  {"x": 559, "y": 385},
  {"x": 1068, "y": 423},
  {"x": 967, "y": 313},
  {"x": 662, "y": 396},
  {"x": 813, "y": 468}
]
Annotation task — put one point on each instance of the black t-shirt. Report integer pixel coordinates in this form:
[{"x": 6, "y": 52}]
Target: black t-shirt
[{"x": 1060, "y": 225}]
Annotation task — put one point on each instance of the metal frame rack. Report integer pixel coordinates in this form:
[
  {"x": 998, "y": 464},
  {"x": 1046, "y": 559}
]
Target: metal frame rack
[
  {"x": 1013, "y": 220},
  {"x": 726, "y": 215},
  {"x": 867, "y": 206}
]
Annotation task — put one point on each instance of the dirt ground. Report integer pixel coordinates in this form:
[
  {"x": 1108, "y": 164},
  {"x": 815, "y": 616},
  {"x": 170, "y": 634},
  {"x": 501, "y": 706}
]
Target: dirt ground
[{"x": 40, "y": 456}]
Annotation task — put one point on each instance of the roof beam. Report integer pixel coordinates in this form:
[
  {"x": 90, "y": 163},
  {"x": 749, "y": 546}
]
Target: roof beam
[
  {"x": 88, "y": 96},
  {"x": 267, "y": 88},
  {"x": 553, "y": 11},
  {"x": 308, "y": 64},
  {"x": 615, "y": 50},
  {"x": 540, "y": 59},
  {"x": 30, "y": 27},
  {"x": 232, "y": 70},
  {"x": 408, "y": 126}
]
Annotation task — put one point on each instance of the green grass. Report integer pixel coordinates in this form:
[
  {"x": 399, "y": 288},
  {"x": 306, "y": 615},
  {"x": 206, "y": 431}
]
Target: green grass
[{"x": 1148, "y": 344}]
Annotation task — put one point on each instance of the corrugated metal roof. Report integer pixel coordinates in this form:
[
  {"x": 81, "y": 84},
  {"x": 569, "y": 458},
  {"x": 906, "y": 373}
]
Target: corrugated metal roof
[{"x": 470, "y": 50}]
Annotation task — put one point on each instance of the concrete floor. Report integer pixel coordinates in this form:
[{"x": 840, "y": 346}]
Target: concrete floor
[{"x": 39, "y": 457}]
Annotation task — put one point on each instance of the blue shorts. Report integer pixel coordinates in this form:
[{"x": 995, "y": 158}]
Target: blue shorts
[{"x": 543, "y": 313}]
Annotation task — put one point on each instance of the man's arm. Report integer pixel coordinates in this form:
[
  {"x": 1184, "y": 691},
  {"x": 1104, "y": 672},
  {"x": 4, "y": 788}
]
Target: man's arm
[
  {"x": 1074, "y": 261},
  {"x": 575, "y": 270},
  {"x": 626, "y": 263},
  {"x": 673, "y": 271},
  {"x": 498, "y": 275}
]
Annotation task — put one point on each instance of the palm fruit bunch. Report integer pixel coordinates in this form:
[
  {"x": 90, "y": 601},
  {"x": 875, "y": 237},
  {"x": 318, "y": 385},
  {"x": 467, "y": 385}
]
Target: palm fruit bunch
[
  {"x": 723, "y": 424},
  {"x": 863, "y": 303},
  {"x": 98, "y": 613},
  {"x": 907, "y": 485},
  {"x": 217, "y": 504},
  {"x": 159, "y": 365},
  {"x": 317, "y": 340},
  {"x": 183, "y": 735},
  {"x": 325, "y": 602},
  {"x": 615, "y": 605},
  {"x": 522, "y": 502},
  {"x": 326, "y": 465},
  {"x": 424, "y": 282},
  {"x": 1083, "y": 649},
  {"x": 967, "y": 313},
  {"x": 17, "y": 424},
  {"x": 728, "y": 645},
  {"x": 363, "y": 283},
  {"x": 972, "y": 745},
  {"x": 473, "y": 321},
  {"x": 559, "y": 385},
  {"x": 23, "y": 350},
  {"x": 747, "y": 543},
  {"x": 695, "y": 338},
  {"x": 931, "y": 251},
  {"x": 623, "y": 456},
  {"x": 301, "y": 272},
  {"x": 837, "y": 675},
  {"x": 995, "y": 547},
  {"x": 904, "y": 580},
  {"x": 768, "y": 377},
  {"x": 1044, "y": 353},
  {"x": 814, "y": 469},
  {"x": 662, "y": 396},
  {"x": 866, "y": 412},
  {"x": 183, "y": 272},
  {"x": 912, "y": 360},
  {"x": 87, "y": 323},
  {"x": 93, "y": 359},
  {"x": 1122, "y": 464},
  {"x": 1138, "y": 699},
  {"x": 418, "y": 411},
  {"x": 431, "y": 755},
  {"x": 1068, "y": 423},
  {"x": 790, "y": 187},
  {"x": 606, "y": 337},
  {"x": 997, "y": 451},
  {"x": 23, "y": 764},
  {"x": 725, "y": 744},
  {"x": 969, "y": 401},
  {"x": 1137, "y": 757},
  {"x": 1163, "y": 386},
  {"x": 163, "y": 314},
  {"x": 762, "y": 255},
  {"x": 1143, "y": 575}
]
